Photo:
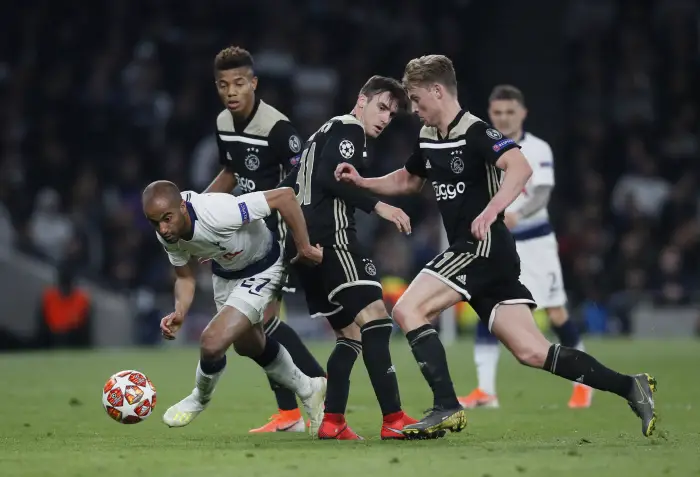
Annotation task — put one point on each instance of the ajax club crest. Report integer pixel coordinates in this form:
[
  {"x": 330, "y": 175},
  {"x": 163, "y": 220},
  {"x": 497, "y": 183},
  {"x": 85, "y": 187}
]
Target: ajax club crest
[{"x": 252, "y": 161}]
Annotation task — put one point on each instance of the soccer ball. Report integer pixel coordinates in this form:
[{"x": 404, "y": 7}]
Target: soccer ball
[{"x": 129, "y": 397}]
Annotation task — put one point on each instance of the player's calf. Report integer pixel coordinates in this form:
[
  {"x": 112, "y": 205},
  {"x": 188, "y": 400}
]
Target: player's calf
[
  {"x": 222, "y": 331},
  {"x": 569, "y": 336},
  {"x": 425, "y": 297},
  {"x": 375, "y": 329},
  {"x": 288, "y": 416},
  {"x": 348, "y": 348},
  {"x": 515, "y": 327}
]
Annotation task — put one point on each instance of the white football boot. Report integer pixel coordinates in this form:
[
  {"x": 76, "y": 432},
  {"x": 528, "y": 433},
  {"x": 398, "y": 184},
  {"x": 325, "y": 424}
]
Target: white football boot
[
  {"x": 184, "y": 412},
  {"x": 313, "y": 404}
]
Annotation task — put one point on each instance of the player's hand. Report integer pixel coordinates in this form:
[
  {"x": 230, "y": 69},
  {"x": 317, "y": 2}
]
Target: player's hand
[
  {"x": 309, "y": 255},
  {"x": 395, "y": 215},
  {"x": 170, "y": 325},
  {"x": 347, "y": 173},
  {"x": 482, "y": 223},
  {"x": 511, "y": 220}
]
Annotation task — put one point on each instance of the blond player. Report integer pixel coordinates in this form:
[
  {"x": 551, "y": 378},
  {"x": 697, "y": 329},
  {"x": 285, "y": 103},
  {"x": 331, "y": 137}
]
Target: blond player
[{"x": 528, "y": 220}]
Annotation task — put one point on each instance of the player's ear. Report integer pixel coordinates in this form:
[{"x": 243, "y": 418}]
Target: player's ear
[
  {"x": 438, "y": 90},
  {"x": 254, "y": 82},
  {"x": 361, "y": 100},
  {"x": 524, "y": 113}
]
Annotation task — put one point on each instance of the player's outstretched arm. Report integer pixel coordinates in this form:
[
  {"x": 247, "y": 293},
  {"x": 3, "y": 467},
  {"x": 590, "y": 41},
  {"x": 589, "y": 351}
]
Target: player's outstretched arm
[
  {"x": 284, "y": 201},
  {"x": 358, "y": 198},
  {"x": 399, "y": 182},
  {"x": 185, "y": 284}
]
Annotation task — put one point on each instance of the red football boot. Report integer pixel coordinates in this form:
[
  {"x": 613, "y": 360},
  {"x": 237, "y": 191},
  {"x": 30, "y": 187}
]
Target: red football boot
[
  {"x": 334, "y": 426},
  {"x": 393, "y": 425}
]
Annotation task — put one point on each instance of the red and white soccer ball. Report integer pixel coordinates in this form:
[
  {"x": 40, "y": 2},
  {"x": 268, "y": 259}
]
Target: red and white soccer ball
[{"x": 129, "y": 397}]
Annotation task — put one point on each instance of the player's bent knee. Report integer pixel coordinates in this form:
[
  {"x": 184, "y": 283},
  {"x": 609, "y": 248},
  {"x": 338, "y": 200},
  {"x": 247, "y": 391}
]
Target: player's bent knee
[
  {"x": 374, "y": 311},
  {"x": 409, "y": 317},
  {"x": 533, "y": 356},
  {"x": 211, "y": 344},
  {"x": 250, "y": 344},
  {"x": 350, "y": 332}
]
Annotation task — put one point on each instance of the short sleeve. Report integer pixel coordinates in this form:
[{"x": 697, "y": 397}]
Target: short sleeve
[
  {"x": 177, "y": 257},
  {"x": 253, "y": 206},
  {"x": 415, "y": 164},
  {"x": 542, "y": 164},
  {"x": 286, "y": 144},
  {"x": 226, "y": 213},
  {"x": 346, "y": 143},
  {"x": 488, "y": 142}
]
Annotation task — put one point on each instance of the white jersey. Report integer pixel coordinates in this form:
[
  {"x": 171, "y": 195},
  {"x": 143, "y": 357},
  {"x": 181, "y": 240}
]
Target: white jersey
[
  {"x": 228, "y": 230},
  {"x": 540, "y": 269},
  {"x": 539, "y": 156}
]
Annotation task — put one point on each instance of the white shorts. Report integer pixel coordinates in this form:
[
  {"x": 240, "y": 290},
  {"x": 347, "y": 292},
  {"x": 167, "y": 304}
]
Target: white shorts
[
  {"x": 250, "y": 295},
  {"x": 540, "y": 270}
]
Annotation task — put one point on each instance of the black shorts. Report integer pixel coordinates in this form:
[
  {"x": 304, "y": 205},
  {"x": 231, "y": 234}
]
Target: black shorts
[
  {"x": 340, "y": 287},
  {"x": 484, "y": 281}
]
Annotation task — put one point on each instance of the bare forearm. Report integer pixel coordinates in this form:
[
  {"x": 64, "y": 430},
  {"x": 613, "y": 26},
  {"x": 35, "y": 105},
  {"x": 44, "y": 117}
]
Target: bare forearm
[
  {"x": 399, "y": 182},
  {"x": 184, "y": 294},
  {"x": 514, "y": 180},
  {"x": 294, "y": 218},
  {"x": 224, "y": 182},
  {"x": 284, "y": 201}
]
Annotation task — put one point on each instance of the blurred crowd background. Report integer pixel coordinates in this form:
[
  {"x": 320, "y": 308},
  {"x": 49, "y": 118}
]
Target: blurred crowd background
[{"x": 100, "y": 98}]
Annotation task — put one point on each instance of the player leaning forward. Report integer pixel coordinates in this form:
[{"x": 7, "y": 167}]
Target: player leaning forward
[
  {"x": 463, "y": 158},
  {"x": 231, "y": 231}
]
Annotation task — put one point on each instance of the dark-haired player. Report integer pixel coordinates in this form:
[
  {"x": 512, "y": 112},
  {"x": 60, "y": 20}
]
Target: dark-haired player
[
  {"x": 257, "y": 147},
  {"x": 345, "y": 288},
  {"x": 463, "y": 158}
]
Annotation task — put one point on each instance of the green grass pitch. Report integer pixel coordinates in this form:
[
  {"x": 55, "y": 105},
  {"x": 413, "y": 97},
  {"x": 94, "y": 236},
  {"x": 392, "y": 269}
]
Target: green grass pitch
[{"x": 52, "y": 422}]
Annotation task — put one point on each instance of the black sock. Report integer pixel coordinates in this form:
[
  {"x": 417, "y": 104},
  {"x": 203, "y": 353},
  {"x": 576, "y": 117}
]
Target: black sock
[
  {"x": 430, "y": 355},
  {"x": 286, "y": 399},
  {"x": 339, "y": 366},
  {"x": 375, "y": 347},
  {"x": 269, "y": 353},
  {"x": 302, "y": 357},
  {"x": 578, "y": 366},
  {"x": 567, "y": 334},
  {"x": 210, "y": 367}
]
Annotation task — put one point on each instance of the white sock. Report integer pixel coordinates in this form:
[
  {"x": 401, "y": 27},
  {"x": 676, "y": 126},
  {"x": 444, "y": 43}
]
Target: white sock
[
  {"x": 486, "y": 360},
  {"x": 283, "y": 371},
  {"x": 205, "y": 384}
]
